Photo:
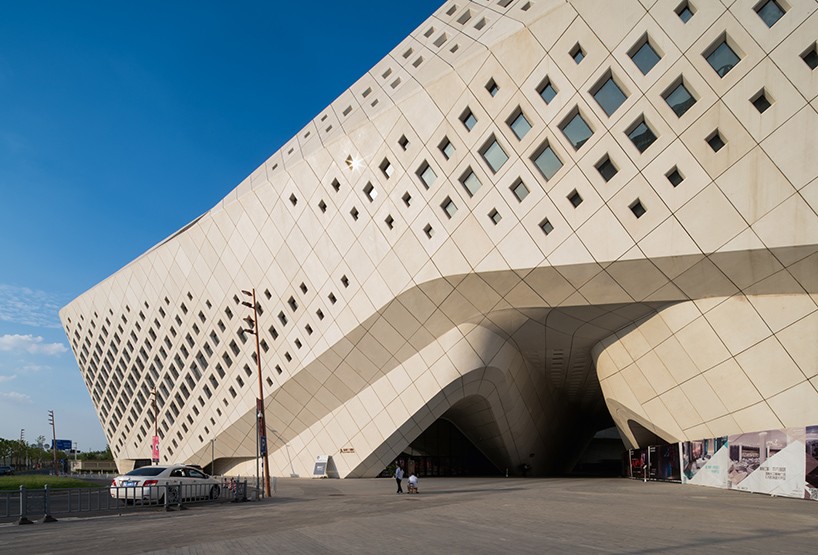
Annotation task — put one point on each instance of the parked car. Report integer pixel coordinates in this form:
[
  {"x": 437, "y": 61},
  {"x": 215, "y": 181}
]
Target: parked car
[
  {"x": 152, "y": 483},
  {"x": 6, "y": 471}
]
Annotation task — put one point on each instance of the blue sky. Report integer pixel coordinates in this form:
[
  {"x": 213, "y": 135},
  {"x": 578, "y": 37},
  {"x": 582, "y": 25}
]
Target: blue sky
[{"x": 120, "y": 123}]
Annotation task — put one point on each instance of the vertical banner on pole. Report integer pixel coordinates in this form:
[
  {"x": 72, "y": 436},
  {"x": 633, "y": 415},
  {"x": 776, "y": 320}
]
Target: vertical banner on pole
[{"x": 155, "y": 449}]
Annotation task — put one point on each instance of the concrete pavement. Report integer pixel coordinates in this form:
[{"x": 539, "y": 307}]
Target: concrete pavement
[{"x": 451, "y": 515}]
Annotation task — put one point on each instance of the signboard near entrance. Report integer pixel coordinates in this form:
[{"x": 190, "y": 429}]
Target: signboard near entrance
[{"x": 320, "y": 468}]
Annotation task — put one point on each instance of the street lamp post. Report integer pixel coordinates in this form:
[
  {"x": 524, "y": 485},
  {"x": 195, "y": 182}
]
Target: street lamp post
[
  {"x": 54, "y": 439},
  {"x": 155, "y": 439},
  {"x": 261, "y": 426}
]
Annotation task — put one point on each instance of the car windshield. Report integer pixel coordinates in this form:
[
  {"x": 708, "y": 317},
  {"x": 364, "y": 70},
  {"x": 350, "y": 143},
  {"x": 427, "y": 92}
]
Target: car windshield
[{"x": 147, "y": 471}]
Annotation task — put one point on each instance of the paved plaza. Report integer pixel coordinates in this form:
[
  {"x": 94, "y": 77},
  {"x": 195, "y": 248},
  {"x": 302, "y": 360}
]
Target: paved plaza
[{"x": 450, "y": 515}]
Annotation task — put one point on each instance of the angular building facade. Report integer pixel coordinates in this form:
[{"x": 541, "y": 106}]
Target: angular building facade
[{"x": 532, "y": 220}]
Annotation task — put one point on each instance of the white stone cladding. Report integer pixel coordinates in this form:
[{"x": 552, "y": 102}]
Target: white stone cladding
[{"x": 675, "y": 288}]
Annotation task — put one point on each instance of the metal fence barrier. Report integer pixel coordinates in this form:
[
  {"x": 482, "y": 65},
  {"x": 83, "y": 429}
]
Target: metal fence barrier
[{"x": 25, "y": 505}]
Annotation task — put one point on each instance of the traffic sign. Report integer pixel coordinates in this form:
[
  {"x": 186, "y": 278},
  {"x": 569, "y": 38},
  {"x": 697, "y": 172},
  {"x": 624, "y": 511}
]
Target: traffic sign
[{"x": 62, "y": 444}]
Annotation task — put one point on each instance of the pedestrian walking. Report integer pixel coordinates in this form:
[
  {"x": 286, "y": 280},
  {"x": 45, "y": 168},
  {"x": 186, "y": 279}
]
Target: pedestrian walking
[{"x": 399, "y": 477}]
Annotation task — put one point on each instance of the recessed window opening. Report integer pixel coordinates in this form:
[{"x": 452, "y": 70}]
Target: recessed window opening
[
  {"x": 574, "y": 198},
  {"x": 278, "y": 369},
  {"x": 715, "y": 141},
  {"x": 354, "y": 213},
  {"x": 288, "y": 357},
  {"x": 441, "y": 40},
  {"x": 370, "y": 191},
  {"x": 493, "y": 154},
  {"x": 468, "y": 119},
  {"x": 303, "y": 288},
  {"x": 480, "y": 24},
  {"x": 674, "y": 176},
  {"x": 492, "y": 87},
  {"x": 576, "y": 130},
  {"x": 428, "y": 231},
  {"x": 547, "y": 91},
  {"x": 449, "y": 207},
  {"x": 417, "y": 62},
  {"x": 504, "y": 3},
  {"x": 546, "y": 226},
  {"x": 386, "y": 73},
  {"x": 606, "y": 168},
  {"x": 761, "y": 102},
  {"x": 386, "y": 168},
  {"x": 644, "y": 55},
  {"x": 408, "y": 53},
  {"x": 347, "y": 110},
  {"x": 282, "y": 318},
  {"x": 577, "y": 53},
  {"x": 547, "y": 161},
  {"x": 679, "y": 98},
  {"x": 426, "y": 175},
  {"x": 721, "y": 57},
  {"x": 641, "y": 135},
  {"x": 770, "y": 12},
  {"x": 429, "y": 32},
  {"x": 810, "y": 56},
  {"x": 336, "y": 185},
  {"x": 451, "y": 10},
  {"x": 608, "y": 94},
  {"x": 470, "y": 182},
  {"x": 519, "y": 124},
  {"x": 390, "y": 221},
  {"x": 403, "y": 142},
  {"x": 685, "y": 11},
  {"x": 519, "y": 189},
  {"x": 407, "y": 199},
  {"x": 293, "y": 199},
  {"x": 298, "y": 343},
  {"x": 637, "y": 208},
  {"x": 322, "y": 206},
  {"x": 367, "y": 92},
  {"x": 293, "y": 304},
  {"x": 525, "y": 7},
  {"x": 454, "y": 48},
  {"x": 495, "y": 216},
  {"x": 447, "y": 148},
  {"x": 345, "y": 280},
  {"x": 320, "y": 314},
  {"x": 273, "y": 332}
]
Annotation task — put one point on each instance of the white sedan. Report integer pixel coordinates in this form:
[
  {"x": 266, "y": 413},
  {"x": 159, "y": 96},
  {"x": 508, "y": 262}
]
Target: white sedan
[{"x": 151, "y": 484}]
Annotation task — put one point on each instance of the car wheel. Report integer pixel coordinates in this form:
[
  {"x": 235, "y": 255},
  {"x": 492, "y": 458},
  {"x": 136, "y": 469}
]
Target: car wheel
[{"x": 214, "y": 492}]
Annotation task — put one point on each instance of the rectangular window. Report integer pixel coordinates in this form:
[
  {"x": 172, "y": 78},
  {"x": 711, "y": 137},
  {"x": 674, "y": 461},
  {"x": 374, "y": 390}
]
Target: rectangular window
[
  {"x": 770, "y": 12},
  {"x": 447, "y": 148},
  {"x": 576, "y": 130},
  {"x": 675, "y": 177},
  {"x": 608, "y": 95},
  {"x": 761, "y": 102},
  {"x": 577, "y": 53},
  {"x": 386, "y": 168},
  {"x": 519, "y": 125},
  {"x": 546, "y": 226},
  {"x": 468, "y": 119},
  {"x": 574, "y": 198},
  {"x": 547, "y": 161},
  {"x": 721, "y": 57},
  {"x": 427, "y": 175},
  {"x": 370, "y": 191},
  {"x": 547, "y": 91},
  {"x": 449, "y": 207},
  {"x": 641, "y": 135},
  {"x": 685, "y": 11},
  {"x": 644, "y": 55},
  {"x": 494, "y": 155},
  {"x": 470, "y": 182},
  {"x": 520, "y": 190},
  {"x": 606, "y": 168},
  {"x": 679, "y": 98},
  {"x": 495, "y": 216}
]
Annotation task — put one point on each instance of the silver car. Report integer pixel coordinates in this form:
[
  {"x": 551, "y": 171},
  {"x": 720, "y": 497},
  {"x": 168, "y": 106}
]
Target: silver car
[{"x": 152, "y": 483}]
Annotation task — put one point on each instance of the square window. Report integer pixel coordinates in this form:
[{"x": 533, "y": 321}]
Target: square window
[
  {"x": 547, "y": 90},
  {"x": 675, "y": 177},
  {"x": 576, "y": 130},
  {"x": 810, "y": 57},
  {"x": 386, "y": 168},
  {"x": 547, "y": 162},
  {"x": 608, "y": 95},
  {"x": 546, "y": 226},
  {"x": 345, "y": 281},
  {"x": 407, "y": 199},
  {"x": 468, "y": 119},
  {"x": 761, "y": 102},
  {"x": 606, "y": 168},
  {"x": 715, "y": 141},
  {"x": 427, "y": 175},
  {"x": 390, "y": 221},
  {"x": 293, "y": 304},
  {"x": 298, "y": 343},
  {"x": 574, "y": 198},
  {"x": 495, "y": 216},
  {"x": 494, "y": 155},
  {"x": 449, "y": 207},
  {"x": 679, "y": 98},
  {"x": 519, "y": 125},
  {"x": 403, "y": 142},
  {"x": 447, "y": 148},
  {"x": 332, "y": 298},
  {"x": 470, "y": 182},
  {"x": 282, "y": 318},
  {"x": 320, "y": 314},
  {"x": 370, "y": 192},
  {"x": 293, "y": 200},
  {"x": 428, "y": 231},
  {"x": 685, "y": 11},
  {"x": 641, "y": 135},
  {"x": 637, "y": 208},
  {"x": 520, "y": 190},
  {"x": 577, "y": 53},
  {"x": 354, "y": 213},
  {"x": 492, "y": 87},
  {"x": 336, "y": 185},
  {"x": 644, "y": 55},
  {"x": 722, "y": 58},
  {"x": 322, "y": 206},
  {"x": 770, "y": 12}
]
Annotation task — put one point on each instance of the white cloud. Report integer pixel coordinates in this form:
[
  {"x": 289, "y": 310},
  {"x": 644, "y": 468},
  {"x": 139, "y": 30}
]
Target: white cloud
[
  {"x": 14, "y": 397},
  {"x": 30, "y": 344},
  {"x": 29, "y": 307},
  {"x": 7, "y": 378}
]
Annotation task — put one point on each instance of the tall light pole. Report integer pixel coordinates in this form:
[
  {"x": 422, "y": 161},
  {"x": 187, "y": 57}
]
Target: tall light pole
[
  {"x": 155, "y": 439},
  {"x": 54, "y": 440},
  {"x": 261, "y": 434}
]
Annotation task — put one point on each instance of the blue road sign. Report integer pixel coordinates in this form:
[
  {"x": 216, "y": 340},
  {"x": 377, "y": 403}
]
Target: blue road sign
[{"x": 63, "y": 444}]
